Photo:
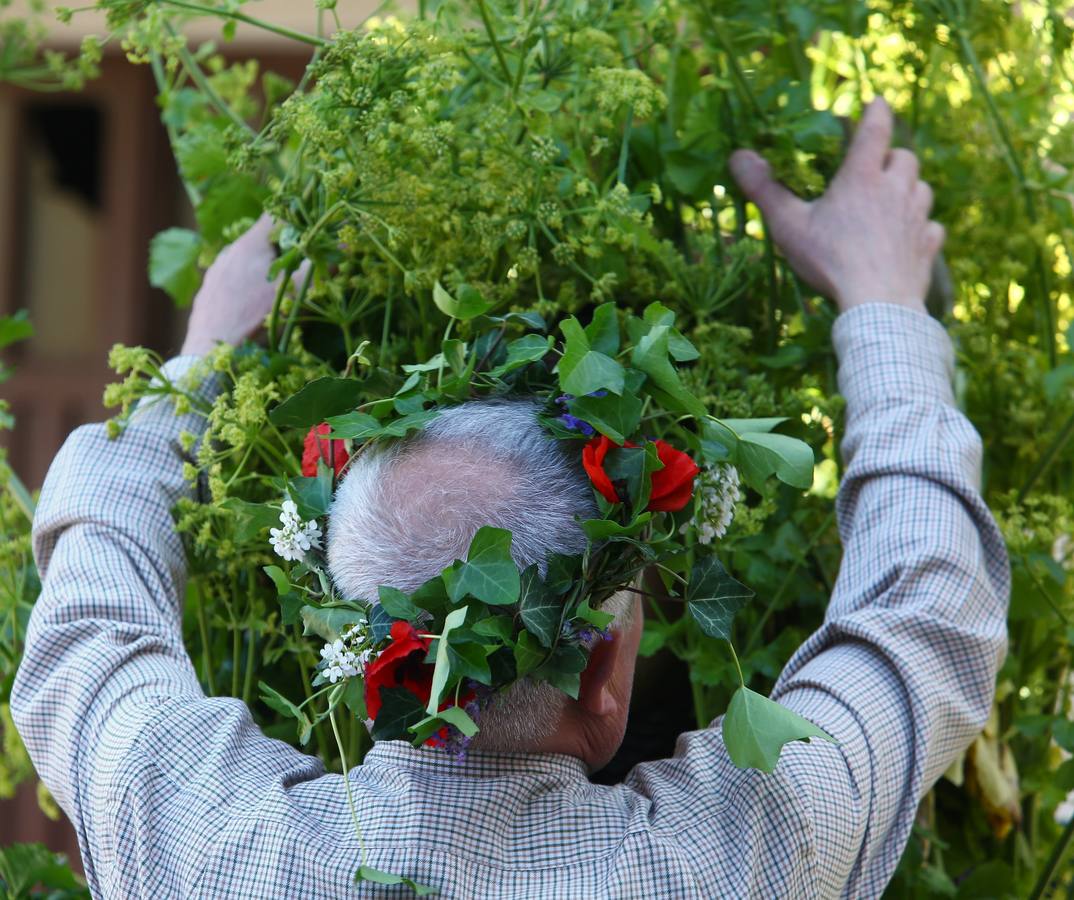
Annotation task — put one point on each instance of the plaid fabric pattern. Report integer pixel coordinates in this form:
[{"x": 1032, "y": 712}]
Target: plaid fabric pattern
[{"x": 175, "y": 794}]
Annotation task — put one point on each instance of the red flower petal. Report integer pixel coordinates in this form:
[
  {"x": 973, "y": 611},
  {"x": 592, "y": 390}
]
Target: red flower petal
[
  {"x": 593, "y": 461},
  {"x": 673, "y": 485},
  {"x": 332, "y": 452},
  {"x": 400, "y": 664}
]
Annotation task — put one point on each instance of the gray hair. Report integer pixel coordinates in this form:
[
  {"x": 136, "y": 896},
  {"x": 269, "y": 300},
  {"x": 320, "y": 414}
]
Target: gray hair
[{"x": 407, "y": 510}]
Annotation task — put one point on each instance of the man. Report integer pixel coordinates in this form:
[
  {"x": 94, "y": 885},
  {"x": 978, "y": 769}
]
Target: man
[{"x": 173, "y": 793}]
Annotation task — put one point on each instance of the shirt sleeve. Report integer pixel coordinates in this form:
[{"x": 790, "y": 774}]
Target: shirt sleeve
[
  {"x": 104, "y": 658},
  {"x": 902, "y": 672}
]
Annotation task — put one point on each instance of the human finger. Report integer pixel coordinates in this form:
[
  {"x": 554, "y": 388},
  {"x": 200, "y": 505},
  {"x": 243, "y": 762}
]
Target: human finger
[{"x": 872, "y": 139}]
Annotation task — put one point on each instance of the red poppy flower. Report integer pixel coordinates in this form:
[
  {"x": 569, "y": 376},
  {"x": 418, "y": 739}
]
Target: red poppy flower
[
  {"x": 316, "y": 448},
  {"x": 672, "y": 486},
  {"x": 402, "y": 664},
  {"x": 593, "y": 455}
]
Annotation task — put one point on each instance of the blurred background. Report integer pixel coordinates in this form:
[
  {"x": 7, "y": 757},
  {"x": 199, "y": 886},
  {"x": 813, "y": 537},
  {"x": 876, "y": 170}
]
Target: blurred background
[{"x": 86, "y": 179}]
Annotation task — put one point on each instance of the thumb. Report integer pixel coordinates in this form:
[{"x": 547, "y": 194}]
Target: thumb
[{"x": 754, "y": 176}]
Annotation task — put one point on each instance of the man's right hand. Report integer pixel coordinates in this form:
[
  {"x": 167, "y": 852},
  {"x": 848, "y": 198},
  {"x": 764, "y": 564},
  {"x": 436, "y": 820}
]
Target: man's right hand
[{"x": 869, "y": 237}]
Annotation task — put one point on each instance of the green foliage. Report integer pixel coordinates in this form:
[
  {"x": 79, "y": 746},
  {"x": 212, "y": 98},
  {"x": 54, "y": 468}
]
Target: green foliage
[{"x": 523, "y": 169}]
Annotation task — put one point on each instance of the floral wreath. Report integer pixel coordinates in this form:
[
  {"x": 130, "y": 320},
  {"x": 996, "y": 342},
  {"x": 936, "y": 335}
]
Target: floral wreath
[{"x": 421, "y": 665}]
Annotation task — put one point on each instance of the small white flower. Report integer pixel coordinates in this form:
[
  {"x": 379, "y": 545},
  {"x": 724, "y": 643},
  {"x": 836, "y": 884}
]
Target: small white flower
[
  {"x": 719, "y": 493},
  {"x": 296, "y": 538}
]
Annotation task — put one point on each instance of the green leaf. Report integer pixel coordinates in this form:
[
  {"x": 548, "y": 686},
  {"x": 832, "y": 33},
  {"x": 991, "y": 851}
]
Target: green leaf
[
  {"x": 466, "y": 303},
  {"x": 714, "y": 597},
  {"x": 746, "y": 426},
  {"x": 631, "y": 468},
  {"x": 651, "y": 357},
  {"x": 760, "y": 455},
  {"x": 453, "y": 620},
  {"x": 457, "y": 716},
  {"x": 469, "y": 660},
  {"x": 13, "y": 328},
  {"x": 250, "y": 519},
  {"x": 603, "y": 331},
  {"x": 277, "y": 701},
  {"x": 540, "y": 608},
  {"x": 397, "y": 604},
  {"x": 317, "y": 401},
  {"x": 380, "y": 623},
  {"x": 329, "y": 622},
  {"x": 313, "y": 496},
  {"x": 529, "y": 654},
  {"x": 399, "y": 709},
  {"x": 527, "y": 349},
  {"x": 358, "y": 426},
  {"x": 583, "y": 370},
  {"x": 489, "y": 573},
  {"x": 756, "y": 728},
  {"x": 501, "y": 627},
  {"x": 173, "y": 263},
  {"x": 354, "y": 697},
  {"x": 612, "y": 415},
  {"x": 564, "y": 669},
  {"x": 26, "y": 866},
  {"x": 595, "y": 617},
  {"x": 368, "y": 873},
  {"x": 602, "y": 529},
  {"x": 283, "y": 585}
]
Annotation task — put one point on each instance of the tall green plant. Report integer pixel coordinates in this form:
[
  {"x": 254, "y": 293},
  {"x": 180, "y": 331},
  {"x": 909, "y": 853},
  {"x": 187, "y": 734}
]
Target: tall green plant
[{"x": 490, "y": 160}]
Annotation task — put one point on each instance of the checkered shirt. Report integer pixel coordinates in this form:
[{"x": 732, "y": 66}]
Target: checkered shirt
[{"x": 176, "y": 794}]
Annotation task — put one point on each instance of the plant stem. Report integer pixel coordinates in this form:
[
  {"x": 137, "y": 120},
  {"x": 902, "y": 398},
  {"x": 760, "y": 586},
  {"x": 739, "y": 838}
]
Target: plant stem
[
  {"x": 624, "y": 148},
  {"x": 738, "y": 665},
  {"x": 495, "y": 43},
  {"x": 1051, "y": 867},
  {"x": 203, "y": 631},
  {"x": 1048, "y": 458},
  {"x": 281, "y": 30},
  {"x": 347, "y": 784},
  {"x": 248, "y": 675},
  {"x": 198, "y": 77}
]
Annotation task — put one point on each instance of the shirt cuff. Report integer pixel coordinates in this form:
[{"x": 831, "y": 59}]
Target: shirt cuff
[
  {"x": 195, "y": 378},
  {"x": 889, "y": 354}
]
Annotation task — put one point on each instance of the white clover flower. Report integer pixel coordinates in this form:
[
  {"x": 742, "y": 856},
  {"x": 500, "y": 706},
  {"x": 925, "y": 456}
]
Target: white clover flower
[
  {"x": 719, "y": 492},
  {"x": 296, "y": 538}
]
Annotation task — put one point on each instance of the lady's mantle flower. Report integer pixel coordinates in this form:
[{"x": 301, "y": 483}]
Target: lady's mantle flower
[
  {"x": 296, "y": 538},
  {"x": 716, "y": 507}
]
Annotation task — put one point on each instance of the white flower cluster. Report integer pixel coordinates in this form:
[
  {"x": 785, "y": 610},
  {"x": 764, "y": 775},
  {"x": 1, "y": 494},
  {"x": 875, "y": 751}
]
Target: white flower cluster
[
  {"x": 340, "y": 658},
  {"x": 296, "y": 538},
  {"x": 718, "y": 484}
]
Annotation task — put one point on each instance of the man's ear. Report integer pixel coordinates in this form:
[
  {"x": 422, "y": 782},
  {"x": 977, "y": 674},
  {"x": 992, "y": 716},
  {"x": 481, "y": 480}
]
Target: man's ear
[{"x": 594, "y": 694}]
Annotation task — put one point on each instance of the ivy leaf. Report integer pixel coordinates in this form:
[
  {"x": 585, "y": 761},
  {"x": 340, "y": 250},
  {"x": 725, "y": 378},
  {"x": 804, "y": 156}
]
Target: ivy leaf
[
  {"x": 612, "y": 415},
  {"x": 528, "y": 653},
  {"x": 397, "y": 604},
  {"x": 602, "y": 529},
  {"x": 583, "y": 370},
  {"x": 399, "y": 709},
  {"x": 313, "y": 495},
  {"x": 562, "y": 571},
  {"x": 173, "y": 263},
  {"x": 540, "y": 608},
  {"x": 457, "y": 716},
  {"x": 489, "y": 573},
  {"x": 380, "y": 623},
  {"x": 441, "y": 672},
  {"x": 329, "y": 622},
  {"x": 317, "y": 401},
  {"x": 368, "y": 873},
  {"x": 714, "y": 597},
  {"x": 466, "y": 304},
  {"x": 651, "y": 357},
  {"x": 469, "y": 660},
  {"x": 595, "y": 617},
  {"x": 755, "y": 729},
  {"x": 527, "y": 349},
  {"x": 501, "y": 627},
  {"x": 564, "y": 669},
  {"x": 603, "y": 331},
  {"x": 362, "y": 426},
  {"x": 789, "y": 459}
]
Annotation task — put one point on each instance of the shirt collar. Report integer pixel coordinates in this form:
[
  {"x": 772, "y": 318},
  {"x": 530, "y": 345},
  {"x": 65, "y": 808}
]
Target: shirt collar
[{"x": 558, "y": 768}]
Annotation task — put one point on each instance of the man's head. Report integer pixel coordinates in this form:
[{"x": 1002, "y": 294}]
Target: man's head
[{"x": 405, "y": 512}]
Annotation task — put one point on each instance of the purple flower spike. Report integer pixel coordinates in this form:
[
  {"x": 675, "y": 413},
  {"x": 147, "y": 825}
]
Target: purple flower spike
[{"x": 576, "y": 424}]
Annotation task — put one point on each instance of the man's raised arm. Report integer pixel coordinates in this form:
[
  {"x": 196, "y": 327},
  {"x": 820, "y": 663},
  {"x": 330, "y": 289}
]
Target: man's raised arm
[{"x": 903, "y": 670}]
